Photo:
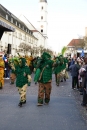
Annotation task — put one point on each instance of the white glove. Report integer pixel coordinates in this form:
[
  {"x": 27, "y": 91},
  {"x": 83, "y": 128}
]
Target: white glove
[{"x": 29, "y": 78}]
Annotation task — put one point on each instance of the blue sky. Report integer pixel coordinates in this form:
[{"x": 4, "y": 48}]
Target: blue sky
[{"x": 67, "y": 19}]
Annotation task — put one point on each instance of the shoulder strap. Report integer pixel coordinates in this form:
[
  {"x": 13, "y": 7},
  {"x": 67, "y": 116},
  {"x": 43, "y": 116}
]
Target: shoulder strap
[{"x": 42, "y": 72}]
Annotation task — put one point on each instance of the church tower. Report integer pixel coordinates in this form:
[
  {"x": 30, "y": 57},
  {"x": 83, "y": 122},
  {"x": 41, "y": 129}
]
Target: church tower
[{"x": 42, "y": 18}]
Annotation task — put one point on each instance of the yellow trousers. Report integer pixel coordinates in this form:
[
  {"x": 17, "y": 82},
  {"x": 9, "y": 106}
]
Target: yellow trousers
[
  {"x": 1, "y": 76},
  {"x": 22, "y": 92}
]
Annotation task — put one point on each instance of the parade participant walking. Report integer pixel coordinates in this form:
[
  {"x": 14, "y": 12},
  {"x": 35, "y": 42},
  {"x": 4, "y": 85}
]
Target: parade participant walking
[
  {"x": 1, "y": 72},
  {"x": 45, "y": 65},
  {"x": 22, "y": 79},
  {"x": 15, "y": 62},
  {"x": 57, "y": 70}
]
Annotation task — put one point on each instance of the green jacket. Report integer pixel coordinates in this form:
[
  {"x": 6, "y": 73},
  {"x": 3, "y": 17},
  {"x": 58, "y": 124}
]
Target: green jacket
[
  {"x": 45, "y": 70},
  {"x": 22, "y": 73}
]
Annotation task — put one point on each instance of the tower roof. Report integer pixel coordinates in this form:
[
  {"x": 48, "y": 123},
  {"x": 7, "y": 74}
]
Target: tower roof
[{"x": 43, "y": 1}]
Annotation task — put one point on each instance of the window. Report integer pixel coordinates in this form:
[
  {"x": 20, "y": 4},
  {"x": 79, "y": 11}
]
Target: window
[
  {"x": 41, "y": 26},
  {"x": 16, "y": 23},
  {"x": 42, "y": 7},
  {"x": 19, "y": 26},
  {"x": 12, "y": 20},
  {"x": 6, "y": 16},
  {"x": 41, "y": 17},
  {"x": 41, "y": 30},
  {"x": 28, "y": 39},
  {"x": 15, "y": 34}
]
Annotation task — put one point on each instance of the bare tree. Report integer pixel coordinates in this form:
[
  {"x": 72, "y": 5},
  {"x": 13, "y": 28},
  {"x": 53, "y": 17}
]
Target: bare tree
[
  {"x": 24, "y": 47},
  {"x": 85, "y": 41},
  {"x": 81, "y": 43}
]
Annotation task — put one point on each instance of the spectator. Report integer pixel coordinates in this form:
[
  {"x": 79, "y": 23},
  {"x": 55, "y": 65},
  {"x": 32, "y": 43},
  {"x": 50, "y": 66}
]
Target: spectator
[
  {"x": 84, "y": 84},
  {"x": 74, "y": 73},
  {"x": 72, "y": 61},
  {"x": 6, "y": 67}
]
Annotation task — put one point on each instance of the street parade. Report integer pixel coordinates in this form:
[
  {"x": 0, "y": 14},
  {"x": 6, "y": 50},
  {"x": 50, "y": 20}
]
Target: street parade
[
  {"x": 19, "y": 69},
  {"x": 43, "y": 65}
]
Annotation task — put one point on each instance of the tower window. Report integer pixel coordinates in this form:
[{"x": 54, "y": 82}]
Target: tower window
[
  {"x": 41, "y": 30},
  {"x": 42, "y": 7},
  {"x": 41, "y": 26},
  {"x": 41, "y": 17}
]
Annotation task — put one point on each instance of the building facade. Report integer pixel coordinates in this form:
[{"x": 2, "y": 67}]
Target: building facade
[
  {"x": 22, "y": 40},
  {"x": 75, "y": 48}
]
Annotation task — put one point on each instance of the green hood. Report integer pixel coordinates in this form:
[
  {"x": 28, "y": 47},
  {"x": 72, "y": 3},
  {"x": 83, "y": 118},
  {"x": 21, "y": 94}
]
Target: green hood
[
  {"x": 46, "y": 56},
  {"x": 22, "y": 62}
]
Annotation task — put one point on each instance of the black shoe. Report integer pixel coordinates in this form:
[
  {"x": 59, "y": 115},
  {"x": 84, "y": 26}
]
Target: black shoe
[
  {"x": 46, "y": 103},
  {"x": 82, "y": 104},
  {"x": 57, "y": 84},
  {"x": 11, "y": 83},
  {"x": 73, "y": 88},
  {"x": 80, "y": 90},
  {"x": 61, "y": 80},
  {"x": 24, "y": 102},
  {"x": 0, "y": 85},
  {"x": 64, "y": 79},
  {"x": 81, "y": 93},
  {"x": 20, "y": 104}
]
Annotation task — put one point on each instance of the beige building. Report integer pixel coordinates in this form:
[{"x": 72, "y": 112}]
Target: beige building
[
  {"x": 21, "y": 40},
  {"x": 75, "y": 48}
]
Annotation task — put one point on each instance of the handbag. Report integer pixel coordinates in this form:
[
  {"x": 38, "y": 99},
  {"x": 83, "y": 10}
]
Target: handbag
[{"x": 82, "y": 73}]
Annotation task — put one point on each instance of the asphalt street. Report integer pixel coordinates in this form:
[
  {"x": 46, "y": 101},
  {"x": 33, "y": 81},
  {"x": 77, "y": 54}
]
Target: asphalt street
[{"x": 64, "y": 111}]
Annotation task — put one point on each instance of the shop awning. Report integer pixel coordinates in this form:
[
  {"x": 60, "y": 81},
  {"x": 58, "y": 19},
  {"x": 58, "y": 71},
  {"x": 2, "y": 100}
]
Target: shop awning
[{"x": 5, "y": 27}]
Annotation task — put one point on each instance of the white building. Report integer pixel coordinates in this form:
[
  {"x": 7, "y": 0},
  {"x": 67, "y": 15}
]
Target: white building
[
  {"x": 22, "y": 40},
  {"x": 36, "y": 33},
  {"x": 26, "y": 37}
]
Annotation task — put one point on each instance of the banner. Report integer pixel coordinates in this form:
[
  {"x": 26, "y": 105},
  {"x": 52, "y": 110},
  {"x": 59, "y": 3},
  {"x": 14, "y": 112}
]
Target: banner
[{"x": 5, "y": 25}]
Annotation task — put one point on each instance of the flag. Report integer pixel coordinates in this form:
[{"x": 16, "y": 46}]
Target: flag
[{"x": 82, "y": 53}]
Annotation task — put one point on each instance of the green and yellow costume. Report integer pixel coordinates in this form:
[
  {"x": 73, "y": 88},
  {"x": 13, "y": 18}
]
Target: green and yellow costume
[
  {"x": 23, "y": 78},
  {"x": 13, "y": 61},
  {"x": 1, "y": 72},
  {"x": 44, "y": 68}
]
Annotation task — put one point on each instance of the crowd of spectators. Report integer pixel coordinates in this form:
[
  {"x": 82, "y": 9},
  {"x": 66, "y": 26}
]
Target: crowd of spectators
[{"x": 78, "y": 70}]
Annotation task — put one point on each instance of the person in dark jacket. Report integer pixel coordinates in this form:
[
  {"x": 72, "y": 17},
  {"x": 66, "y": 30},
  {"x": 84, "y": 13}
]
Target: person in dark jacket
[
  {"x": 72, "y": 61},
  {"x": 84, "y": 85},
  {"x": 74, "y": 73},
  {"x": 6, "y": 66}
]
